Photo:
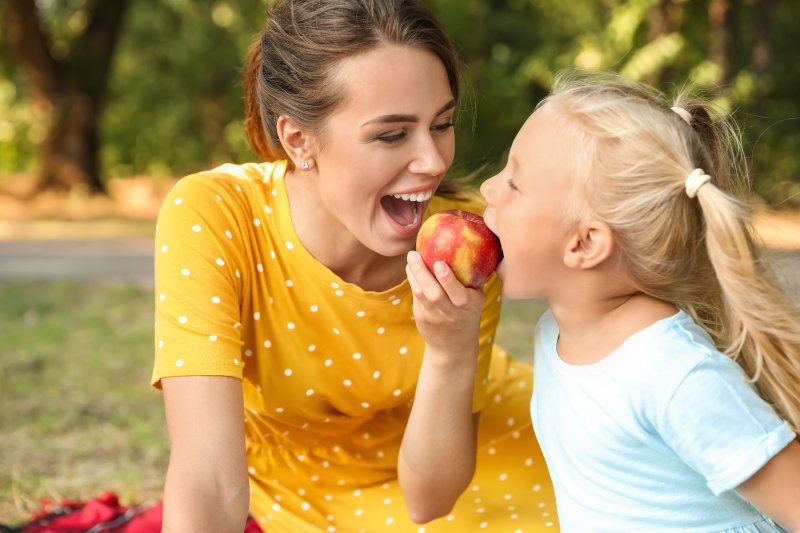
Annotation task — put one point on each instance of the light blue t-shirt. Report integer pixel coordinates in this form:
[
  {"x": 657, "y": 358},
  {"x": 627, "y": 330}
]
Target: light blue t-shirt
[{"x": 655, "y": 436}]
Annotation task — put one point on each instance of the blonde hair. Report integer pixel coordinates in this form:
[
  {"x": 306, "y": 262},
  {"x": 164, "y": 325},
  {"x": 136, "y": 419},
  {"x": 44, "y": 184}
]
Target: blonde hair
[{"x": 698, "y": 253}]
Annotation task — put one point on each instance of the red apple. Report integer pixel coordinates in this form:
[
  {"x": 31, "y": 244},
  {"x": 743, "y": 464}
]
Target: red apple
[{"x": 462, "y": 240}]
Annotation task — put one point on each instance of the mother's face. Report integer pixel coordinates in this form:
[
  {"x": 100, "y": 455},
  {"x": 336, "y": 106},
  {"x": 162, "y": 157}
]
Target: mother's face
[{"x": 387, "y": 146}]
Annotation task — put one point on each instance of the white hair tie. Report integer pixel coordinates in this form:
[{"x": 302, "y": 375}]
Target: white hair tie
[
  {"x": 695, "y": 180},
  {"x": 681, "y": 112}
]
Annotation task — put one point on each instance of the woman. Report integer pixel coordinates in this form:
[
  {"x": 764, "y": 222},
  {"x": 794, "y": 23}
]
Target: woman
[{"x": 282, "y": 294}]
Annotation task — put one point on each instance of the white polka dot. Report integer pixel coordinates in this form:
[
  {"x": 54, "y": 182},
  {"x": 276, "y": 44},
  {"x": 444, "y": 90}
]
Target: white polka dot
[
  {"x": 237, "y": 325},
  {"x": 256, "y": 222},
  {"x": 287, "y": 372},
  {"x": 356, "y": 356},
  {"x": 220, "y": 262},
  {"x": 228, "y": 234},
  {"x": 215, "y": 299},
  {"x": 238, "y": 274},
  {"x": 529, "y": 462},
  {"x": 357, "y": 493},
  {"x": 328, "y": 362},
  {"x": 256, "y": 316},
  {"x": 162, "y": 296},
  {"x": 347, "y": 383},
  {"x": 540, "y": 505},
  {"x": 182, "y": 319},
  {"x": 387, "y": 501},
  {"x": 507, "y": 496},
  {"x": 276, "y": 507},
  {"x": 336, "y": 331},
  {"x": 272, "y": 254},
  {"x": 290, "y": 325},
  {"x": 389, "y": 521},
  {"x": 279, "y": 409},
  {"x": 196, "y": 228},
  {"x": 328, "y": 497},
  {"x": 251, "y": 470},
  {"x": 314, "y": 308},
  {"x": 475, "y": 488},
  {"x": 238, "y": 188},
  {"x": 334, "y": 285},
  {"x": 510, "y": 421},
  {"x": 376, "y": 374},
  {"x": 218, "y": 197},
  {"x": 365, "y": 405},
  {"x": 274, "y": 192},
  {"x": 186, "y": 271},
  {"x": 312, "y": 347},
  {"x": 267, "y": 209},
  {"x": 212, "y": 338},
  {"x": 260, "y": 267},
  {"x": 548, "y": 524},
  {"x": 235, "y": 361},
  {"x": 289, "y": 245},
  {"x": 164, "y": 248},
  {"x": 310, "y": 392},
  {"x": 178, "y": 201},
  {"x": 381, "y": 330},
  {"x": 339, "y": 292},
  {"x": 289, "y": 283},
  {"x": 483, "y": 525},
  {"x": 396, "y": 301},
  {"x": 503, "y": 476},
  {"x": 491, "y": 451},
  {"x": 305, "y": 506},
  {"x": 160, "y": 344},
  {"x": 403, "y": 350},
  {"x": 397, "y": 392},
  {"x": 537, "y": 488},
  {"x": 267, "y": 344},
  {"x": 359, "y": 512},
  {"x": 179, "y": 362}
]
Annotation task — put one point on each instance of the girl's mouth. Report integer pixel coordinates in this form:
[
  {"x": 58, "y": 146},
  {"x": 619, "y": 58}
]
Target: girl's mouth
[{"x": 406, "y": 210}]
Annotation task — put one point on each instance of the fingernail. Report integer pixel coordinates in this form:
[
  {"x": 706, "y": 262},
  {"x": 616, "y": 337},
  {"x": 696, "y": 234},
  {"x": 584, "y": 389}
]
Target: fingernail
[
  {"x": 440, "y": 268},
  {"x": 412, "y": 257}
]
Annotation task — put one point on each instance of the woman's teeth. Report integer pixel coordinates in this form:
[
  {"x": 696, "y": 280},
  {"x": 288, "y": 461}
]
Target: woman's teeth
[{"x": 420, "y": 197}]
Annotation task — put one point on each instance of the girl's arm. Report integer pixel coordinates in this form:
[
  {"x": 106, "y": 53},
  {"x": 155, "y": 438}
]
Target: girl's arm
[
  {"x": 437, "y": 455},
  {"x": 206, "y": 489},
  {"x": 775, "y": 489}
]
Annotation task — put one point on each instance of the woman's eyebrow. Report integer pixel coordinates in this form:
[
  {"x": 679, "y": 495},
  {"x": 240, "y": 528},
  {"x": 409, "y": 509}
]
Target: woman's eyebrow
[{"x": 407, "y": 118}]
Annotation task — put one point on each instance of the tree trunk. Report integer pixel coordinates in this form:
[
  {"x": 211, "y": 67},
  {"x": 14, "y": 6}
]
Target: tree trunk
[
  {"x": 663, "y": 19},
  {"x": 721, "y": 22},
  {"x": 765, "y": 10},
  {"x": 70, "y": 91}
]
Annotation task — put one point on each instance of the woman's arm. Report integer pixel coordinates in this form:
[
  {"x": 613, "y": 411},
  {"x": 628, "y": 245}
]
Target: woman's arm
[
  {"x": 775, "y": 489},
  {"x": 206, "y": 489},
  {"x": 437, "y": 455}
]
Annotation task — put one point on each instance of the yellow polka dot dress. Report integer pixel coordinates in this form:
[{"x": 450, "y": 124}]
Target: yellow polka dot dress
[{"x": 328, "y": 369}]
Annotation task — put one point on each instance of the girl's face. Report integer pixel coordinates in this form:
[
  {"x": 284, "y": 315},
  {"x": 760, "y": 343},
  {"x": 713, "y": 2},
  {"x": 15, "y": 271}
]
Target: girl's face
[
  {"x": 528, "y": 204},
  {"x": 386, "y": 148}
]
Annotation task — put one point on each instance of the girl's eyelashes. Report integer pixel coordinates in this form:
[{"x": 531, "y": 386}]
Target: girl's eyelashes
[{"x": 511, "y": 184}]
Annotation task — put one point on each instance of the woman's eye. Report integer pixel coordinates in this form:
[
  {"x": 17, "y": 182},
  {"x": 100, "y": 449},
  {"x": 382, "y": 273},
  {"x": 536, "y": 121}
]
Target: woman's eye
[
  {"x": 392, "y": 137},
  {"x": 443, "y": 126}
]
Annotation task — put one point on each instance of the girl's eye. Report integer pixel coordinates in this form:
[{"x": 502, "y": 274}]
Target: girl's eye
[
  {"x": 391, "y": 138},
  {"x": 511, "y": 184}
]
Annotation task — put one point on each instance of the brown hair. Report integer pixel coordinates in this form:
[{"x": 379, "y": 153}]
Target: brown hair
[
  {"x": 290, "y": 68},
  {"x": 698, "y": 253}
]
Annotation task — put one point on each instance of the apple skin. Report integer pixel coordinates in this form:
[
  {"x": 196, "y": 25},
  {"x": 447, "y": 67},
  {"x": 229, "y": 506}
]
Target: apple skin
[{"x": 463, "y": 241}]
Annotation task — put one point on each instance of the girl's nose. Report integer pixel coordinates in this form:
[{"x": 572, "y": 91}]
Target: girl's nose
[{"x": 487, "y": 189}]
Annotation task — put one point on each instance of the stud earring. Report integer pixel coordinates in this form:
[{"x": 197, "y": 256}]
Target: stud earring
[{"x": 304, "y": 165}]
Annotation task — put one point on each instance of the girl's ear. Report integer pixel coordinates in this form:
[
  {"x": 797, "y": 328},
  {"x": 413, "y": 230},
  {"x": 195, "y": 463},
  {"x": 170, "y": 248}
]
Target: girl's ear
[
  {"x": 589, "y": 245},
  {"x": 296, "y": 142}
]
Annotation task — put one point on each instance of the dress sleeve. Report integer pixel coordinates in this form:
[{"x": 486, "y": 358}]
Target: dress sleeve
[
  {"x": 720, "y": 427},
  {"x": 489, "y": 320},
  {"x": 198, "y": 281}
]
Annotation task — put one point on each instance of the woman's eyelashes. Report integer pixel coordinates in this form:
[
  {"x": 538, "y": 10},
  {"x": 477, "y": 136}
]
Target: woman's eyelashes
[{"x": 395, "y": 135}]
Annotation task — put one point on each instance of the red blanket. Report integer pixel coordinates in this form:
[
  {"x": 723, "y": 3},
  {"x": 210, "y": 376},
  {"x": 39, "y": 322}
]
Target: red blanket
[{"x": 100, "y": 514}]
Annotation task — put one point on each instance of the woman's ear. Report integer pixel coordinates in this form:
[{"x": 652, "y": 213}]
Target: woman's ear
[
  {"x": 296, "y": 142},
  {"x": 589, "y": 245}
]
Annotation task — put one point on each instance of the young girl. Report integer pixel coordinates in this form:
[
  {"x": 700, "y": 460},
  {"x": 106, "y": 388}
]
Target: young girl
[{"x": 667, "y": 370}]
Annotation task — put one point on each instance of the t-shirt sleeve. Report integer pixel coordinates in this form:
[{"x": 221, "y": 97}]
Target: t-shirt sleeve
[
  {"x": 198, "y": 282},
  {"x": 720, "y": 427}
]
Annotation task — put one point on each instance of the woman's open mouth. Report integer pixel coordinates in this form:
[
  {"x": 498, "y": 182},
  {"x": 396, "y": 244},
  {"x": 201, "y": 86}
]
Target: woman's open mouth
[{"x": 405, "y": 211}]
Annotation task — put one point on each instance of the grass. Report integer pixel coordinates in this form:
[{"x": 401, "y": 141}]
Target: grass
[{"x": 78, "y": 416}]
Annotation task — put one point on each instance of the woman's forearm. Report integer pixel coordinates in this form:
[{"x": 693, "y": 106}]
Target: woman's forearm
[{"x": 437, "y": 455}]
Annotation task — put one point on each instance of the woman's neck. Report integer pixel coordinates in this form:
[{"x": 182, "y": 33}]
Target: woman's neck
[{"x": 334, "y": 246}]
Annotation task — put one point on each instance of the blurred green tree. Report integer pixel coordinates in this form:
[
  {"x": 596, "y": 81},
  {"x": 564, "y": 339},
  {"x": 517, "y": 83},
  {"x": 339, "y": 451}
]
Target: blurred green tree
[{"x": 67, "y": 67}]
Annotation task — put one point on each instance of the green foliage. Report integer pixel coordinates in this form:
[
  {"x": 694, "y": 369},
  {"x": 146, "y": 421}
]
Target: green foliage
[{"x": 175, "y": 102}]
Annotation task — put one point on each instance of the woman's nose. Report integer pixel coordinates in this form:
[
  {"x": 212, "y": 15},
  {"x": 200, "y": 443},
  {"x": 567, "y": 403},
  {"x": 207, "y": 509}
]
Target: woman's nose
[{"x": 430, "y": 158}]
